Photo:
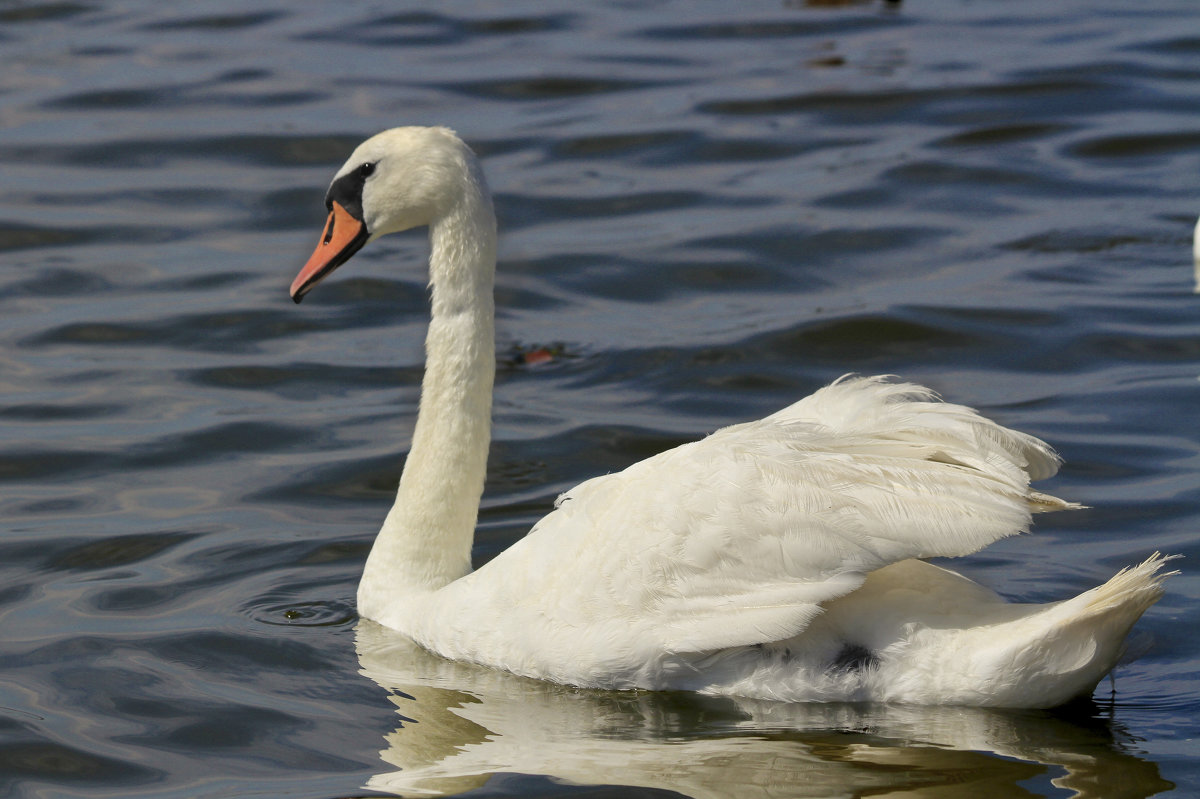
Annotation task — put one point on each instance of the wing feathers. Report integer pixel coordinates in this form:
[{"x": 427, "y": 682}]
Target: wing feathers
[{"x": 737, "y": 539}]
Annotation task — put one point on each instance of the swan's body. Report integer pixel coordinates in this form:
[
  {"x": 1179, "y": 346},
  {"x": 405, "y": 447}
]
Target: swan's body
[{"x": 773, "y": 559}]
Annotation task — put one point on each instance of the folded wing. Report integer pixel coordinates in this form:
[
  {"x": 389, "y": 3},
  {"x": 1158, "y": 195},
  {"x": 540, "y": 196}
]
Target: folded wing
[{"x": 737, "y": 539}]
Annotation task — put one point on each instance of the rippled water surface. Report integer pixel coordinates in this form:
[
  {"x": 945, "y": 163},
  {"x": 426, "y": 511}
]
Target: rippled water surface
[{"x": 708, "y": 209}]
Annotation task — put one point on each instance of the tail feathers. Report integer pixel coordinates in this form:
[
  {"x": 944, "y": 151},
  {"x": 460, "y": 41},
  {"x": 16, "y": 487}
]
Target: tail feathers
[
  {"x": 1063, "y": 651},
  {"x": 1135, "y": 588},
  {"x": 1092, "y": 639}
]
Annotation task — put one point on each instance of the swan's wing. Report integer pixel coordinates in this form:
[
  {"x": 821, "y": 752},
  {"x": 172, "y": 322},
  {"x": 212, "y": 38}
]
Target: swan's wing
[
  {"x": 887, "y": 411},
  {"x": 738, "y": 538}
]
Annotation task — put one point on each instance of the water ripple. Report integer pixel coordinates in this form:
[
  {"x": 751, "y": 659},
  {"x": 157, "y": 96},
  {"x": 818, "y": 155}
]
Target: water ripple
[{"x": 706, "y": 213}]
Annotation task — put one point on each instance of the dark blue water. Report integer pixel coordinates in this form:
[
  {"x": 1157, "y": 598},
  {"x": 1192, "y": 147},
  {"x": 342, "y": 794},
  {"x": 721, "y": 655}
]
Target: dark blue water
[{"x": 707, "y": 210}]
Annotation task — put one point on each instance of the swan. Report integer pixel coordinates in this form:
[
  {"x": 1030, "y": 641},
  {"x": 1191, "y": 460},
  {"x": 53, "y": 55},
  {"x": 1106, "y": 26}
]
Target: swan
[
  {"x": 1196, "y": 256},
  {"x": 777, "y": 559}
]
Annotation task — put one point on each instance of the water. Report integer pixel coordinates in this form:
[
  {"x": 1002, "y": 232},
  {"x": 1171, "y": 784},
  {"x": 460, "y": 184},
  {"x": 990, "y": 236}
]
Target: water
[{"x": 708, "y": 210}]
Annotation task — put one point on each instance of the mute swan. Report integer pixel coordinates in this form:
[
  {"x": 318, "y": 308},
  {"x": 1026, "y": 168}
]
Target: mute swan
[
  {"x": 1196, "y": 256},
  {"x": 775, "y": 559}
]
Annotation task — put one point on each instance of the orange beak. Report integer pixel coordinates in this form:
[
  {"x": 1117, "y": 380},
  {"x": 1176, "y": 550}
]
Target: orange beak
[{"x": 344, "y": 235}]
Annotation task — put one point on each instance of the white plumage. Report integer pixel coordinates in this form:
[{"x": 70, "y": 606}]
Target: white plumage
[
  {"x": 1196, "y": 255},
  {"x": 772, "y": 559}
]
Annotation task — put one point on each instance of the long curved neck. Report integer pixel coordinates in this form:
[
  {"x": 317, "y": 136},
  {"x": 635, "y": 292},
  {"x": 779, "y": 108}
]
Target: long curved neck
[{"x": 425, "y": 542}]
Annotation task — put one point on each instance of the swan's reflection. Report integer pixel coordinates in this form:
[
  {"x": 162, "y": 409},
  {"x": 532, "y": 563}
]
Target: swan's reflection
[{"x": 462, "y": 724}]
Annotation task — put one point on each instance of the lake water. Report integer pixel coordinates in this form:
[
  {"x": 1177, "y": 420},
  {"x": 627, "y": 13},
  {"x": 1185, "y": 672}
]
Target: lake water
[{"x": 708, "y": 210}]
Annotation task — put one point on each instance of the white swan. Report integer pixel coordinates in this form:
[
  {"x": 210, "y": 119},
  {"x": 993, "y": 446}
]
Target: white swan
[
  {"x": 1196, "y": 256},
  {"x": 773, "y": 559}
]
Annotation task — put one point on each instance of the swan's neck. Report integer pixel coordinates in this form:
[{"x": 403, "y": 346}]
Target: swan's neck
[{"x": 425, "y": 542}]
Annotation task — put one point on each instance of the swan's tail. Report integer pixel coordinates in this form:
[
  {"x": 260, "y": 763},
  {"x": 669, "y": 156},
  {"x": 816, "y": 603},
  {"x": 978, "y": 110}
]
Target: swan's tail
[
  {"x": 1131, "y": 590},
  {"x": 1072, "y": 645}
]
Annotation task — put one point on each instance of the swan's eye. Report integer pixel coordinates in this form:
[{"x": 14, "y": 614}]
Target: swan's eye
[{"x": 366, "y": 170}]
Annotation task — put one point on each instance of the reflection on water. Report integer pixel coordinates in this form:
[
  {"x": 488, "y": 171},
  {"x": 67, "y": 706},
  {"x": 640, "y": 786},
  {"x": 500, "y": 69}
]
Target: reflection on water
[{"x": 462, "y": 724}]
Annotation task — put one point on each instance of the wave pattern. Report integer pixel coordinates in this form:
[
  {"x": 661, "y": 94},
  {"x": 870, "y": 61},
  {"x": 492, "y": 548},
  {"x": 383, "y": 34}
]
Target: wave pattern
[{"x": 707, "y": 211}]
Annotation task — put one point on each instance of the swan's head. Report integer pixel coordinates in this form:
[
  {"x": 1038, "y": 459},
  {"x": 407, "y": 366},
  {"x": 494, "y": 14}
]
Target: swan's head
[{"x": 395, "y": 180}]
